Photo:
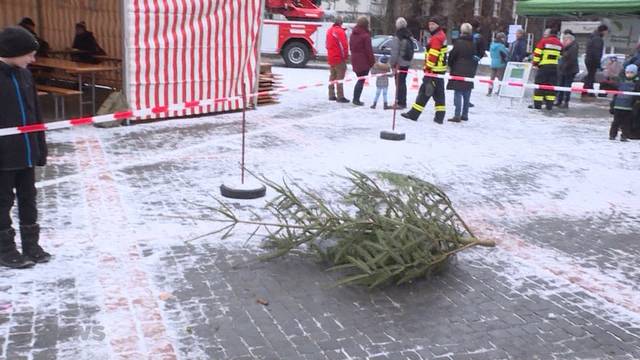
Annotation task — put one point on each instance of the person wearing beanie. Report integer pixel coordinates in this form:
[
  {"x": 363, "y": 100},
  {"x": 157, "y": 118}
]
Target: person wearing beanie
[
  {"x": 21, "y": 152},
  {"x": 593, "y": 56},
  {"x": 435, "y": 62},
  {"x": 86, "y": 44},
  {"x": 400, "y": 60},
  {"x": 622, "y": 106},
  {"x": 28, "y": 24}
]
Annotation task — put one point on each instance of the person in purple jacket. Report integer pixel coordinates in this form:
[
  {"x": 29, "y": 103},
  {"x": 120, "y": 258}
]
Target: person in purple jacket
[{"x": 362, "y": 58}]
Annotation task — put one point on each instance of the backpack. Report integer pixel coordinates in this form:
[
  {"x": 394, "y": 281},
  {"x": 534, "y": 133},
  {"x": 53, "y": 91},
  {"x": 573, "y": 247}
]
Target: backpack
[{"x": 406, "y": 49}]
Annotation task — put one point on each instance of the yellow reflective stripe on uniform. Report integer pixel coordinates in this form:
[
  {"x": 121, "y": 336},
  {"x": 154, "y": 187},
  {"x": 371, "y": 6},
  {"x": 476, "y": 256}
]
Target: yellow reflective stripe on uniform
[
  {"x": 440, "y": 108},
  {"x": 550, "y": 97},
  {"x": 550, "y": 56},
  {"x": 536, "y": 58},
  {"x": 442, "y": 68},
  {"x": 434, "y": 52},
  {"x": 418, "y": 107},
  {"x": 538, "y": 97},
  {"x": 537, "y": 51}
]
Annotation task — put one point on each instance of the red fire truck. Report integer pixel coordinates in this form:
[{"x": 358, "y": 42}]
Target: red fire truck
[{"x": 299, "y": 38}]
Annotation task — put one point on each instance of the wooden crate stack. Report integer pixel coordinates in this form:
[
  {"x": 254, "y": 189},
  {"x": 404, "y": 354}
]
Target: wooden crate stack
[{"x": 268, "y": 81}]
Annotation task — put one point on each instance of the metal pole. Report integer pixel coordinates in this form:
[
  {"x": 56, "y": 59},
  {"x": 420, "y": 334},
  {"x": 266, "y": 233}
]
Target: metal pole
[
  {"x": 93, "y": 93},
  {"x": 244, "y": 128},
  {"x": 395, "y": 101},
  {"x": 80, "y": 90}
]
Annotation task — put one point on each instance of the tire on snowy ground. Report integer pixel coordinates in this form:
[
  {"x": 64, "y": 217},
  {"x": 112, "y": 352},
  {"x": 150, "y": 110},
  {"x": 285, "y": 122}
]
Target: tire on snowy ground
[
  {"x": 392, "y": 135},
  {"x": 296, "y": 54},
  {"x": 243, "y": 194}
]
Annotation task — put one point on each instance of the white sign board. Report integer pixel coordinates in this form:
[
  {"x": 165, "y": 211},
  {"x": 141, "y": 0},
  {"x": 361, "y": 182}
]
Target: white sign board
[
  {"x": 579, "y": 27},
  {"x": 515, "y": 72}
]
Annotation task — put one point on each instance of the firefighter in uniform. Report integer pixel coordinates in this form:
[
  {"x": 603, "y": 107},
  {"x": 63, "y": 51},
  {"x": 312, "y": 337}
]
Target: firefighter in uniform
[
  {"x": 545, "y": 58},
  {"x": 435, "y": 63}
]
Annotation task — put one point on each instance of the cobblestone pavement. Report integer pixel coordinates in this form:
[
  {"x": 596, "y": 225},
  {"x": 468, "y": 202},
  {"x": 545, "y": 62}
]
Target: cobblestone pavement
[{"x": 129, "y": 280}]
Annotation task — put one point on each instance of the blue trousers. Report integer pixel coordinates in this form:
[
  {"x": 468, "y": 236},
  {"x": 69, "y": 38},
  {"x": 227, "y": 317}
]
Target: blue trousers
[
  {"x": 382, "y": 90},
  {"x": 461, "y": 101}
]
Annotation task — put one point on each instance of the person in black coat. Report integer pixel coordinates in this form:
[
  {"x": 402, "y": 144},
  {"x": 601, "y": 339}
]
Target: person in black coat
[
  {"x": 593, "y": 56},
  {"x": 86, "y": 44},
  {"x": 567, "y": 69},
  {"x": 30, "y": 26},
  {"x": 19, "y": 153},
  {"x": 462, "y": 63}
]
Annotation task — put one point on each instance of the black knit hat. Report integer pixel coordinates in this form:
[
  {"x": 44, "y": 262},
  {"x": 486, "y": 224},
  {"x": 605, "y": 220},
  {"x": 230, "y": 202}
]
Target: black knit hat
[
  {"x": 27, "y": 21},
  {"x": 436, "y": 19},
  {"x": 16, "y": 41}
]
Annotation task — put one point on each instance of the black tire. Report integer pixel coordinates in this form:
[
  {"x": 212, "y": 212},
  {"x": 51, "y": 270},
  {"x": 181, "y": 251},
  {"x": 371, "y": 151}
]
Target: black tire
[
  {"x": 243, "y": 194},
  {"x": 296, "y": 54},
  {"x": 393, "y": 136}
]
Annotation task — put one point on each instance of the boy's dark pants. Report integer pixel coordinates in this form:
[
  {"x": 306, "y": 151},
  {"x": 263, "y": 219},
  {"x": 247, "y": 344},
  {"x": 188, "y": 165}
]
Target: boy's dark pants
[
  {"x": 23, "y": 181},
  {"x": 621, "y": 120}
]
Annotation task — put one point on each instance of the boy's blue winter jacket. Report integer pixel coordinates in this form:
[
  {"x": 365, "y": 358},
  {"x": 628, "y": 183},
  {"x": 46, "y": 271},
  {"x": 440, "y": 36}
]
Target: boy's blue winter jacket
[{"x": 499, "y": 55}]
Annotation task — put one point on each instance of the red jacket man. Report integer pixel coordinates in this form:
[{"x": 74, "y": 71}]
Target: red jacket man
[
  {"x": 545, "y": 57},
  {"x": 337, "y": 55},
  {"x": 435, "y": 61}
]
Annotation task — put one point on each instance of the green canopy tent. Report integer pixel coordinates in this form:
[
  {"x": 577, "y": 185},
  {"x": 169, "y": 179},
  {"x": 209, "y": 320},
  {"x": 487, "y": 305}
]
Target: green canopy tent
[{"x": 576, "y": 7}]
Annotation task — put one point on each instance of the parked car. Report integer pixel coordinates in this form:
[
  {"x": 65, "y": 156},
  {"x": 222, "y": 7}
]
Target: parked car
[
  {"x": 382, "y": 46},
  {"x": 607, "y": 76}
]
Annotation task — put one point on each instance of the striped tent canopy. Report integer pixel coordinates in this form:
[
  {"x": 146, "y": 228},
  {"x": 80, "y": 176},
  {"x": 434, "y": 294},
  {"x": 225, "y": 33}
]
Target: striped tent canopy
[{"x": 173, "y": 51}]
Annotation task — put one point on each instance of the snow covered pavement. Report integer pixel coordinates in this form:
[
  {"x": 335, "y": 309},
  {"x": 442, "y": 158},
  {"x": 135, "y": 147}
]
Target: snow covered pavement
[{"x": 561, "y": 200}]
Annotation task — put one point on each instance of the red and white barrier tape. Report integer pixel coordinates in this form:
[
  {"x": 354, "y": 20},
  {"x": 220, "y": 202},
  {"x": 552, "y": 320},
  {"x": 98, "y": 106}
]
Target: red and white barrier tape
[
  {"x": 488, "y": 81},
  {"x": 123, "y": 115}
]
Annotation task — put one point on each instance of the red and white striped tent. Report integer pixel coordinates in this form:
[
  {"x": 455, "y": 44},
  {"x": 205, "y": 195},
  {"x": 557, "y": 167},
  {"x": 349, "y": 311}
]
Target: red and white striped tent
[{"x": 173, "y": 51}]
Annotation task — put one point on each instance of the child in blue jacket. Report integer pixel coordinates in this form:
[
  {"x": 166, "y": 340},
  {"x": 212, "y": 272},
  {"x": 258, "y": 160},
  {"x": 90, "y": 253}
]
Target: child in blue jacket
[
  {"x": 499, "y": 56},
  {"x": 622, "y": 106}
]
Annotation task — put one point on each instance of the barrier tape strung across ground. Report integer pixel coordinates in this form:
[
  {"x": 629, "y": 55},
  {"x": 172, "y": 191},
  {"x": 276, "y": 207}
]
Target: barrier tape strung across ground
[
  {"x": 157, "y": 110},
  {"x": 529, "y": 86}
]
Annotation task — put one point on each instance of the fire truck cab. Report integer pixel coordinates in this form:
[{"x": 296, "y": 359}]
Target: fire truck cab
[{"x": 298, "y": 38}]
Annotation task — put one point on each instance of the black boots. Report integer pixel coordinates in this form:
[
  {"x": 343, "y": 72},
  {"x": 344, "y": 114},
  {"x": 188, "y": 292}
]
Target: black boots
[
  {"x": 9, "y": 255},
  {"x": 30, "y": 235},
  {"x": 412, "y": 114}
]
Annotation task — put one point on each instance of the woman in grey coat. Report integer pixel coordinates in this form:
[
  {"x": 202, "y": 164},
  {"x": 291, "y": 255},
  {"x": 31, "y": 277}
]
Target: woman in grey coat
[{"x": 400, "y": 61}]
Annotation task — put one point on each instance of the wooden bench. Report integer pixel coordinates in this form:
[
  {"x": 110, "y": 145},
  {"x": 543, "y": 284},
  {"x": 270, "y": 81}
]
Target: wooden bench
[{"x": 58, "y": 94}]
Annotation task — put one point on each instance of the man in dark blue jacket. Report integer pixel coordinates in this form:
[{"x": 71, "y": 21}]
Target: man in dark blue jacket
[
  {"x": 19, "y": 153},
  {"x": 518, "y": 48}
]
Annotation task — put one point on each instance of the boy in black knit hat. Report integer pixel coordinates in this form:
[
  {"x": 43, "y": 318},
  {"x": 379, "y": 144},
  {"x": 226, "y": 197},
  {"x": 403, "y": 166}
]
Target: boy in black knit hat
[{"x": 19, "y": 153}]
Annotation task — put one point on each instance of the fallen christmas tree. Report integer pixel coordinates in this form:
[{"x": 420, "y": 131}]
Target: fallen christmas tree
[{"x": 390, "y": 228}]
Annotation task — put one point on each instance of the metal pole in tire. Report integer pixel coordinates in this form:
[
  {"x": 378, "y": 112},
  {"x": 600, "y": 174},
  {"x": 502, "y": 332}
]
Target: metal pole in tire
[
  {"x": 393, "y": 135},
  {"x": 252, "y": 189}
]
